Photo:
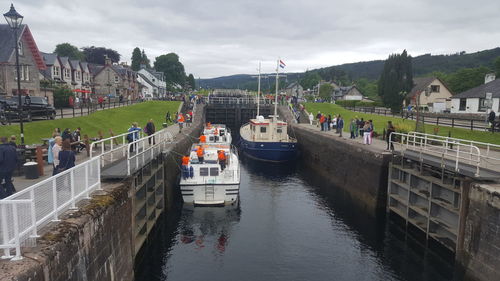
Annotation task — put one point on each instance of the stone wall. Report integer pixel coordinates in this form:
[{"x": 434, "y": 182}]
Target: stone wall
[
  {"x": 480, "y": 257},
  {"x": 361, "y": 171}
]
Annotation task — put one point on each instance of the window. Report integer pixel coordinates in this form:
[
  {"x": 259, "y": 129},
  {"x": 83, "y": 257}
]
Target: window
[
  {"x": 482, "y": 105},
  {"x": 279, "y": 130},
  {"x": 262, "y": 129},
  {"x": 435, "y": 88},
  {"x": 20, "y": 48},
  {"x": 463, "y": 104},
  {"x": 214, "y": 172},
  {"x": 117, "y": 79},
  {"x": 78, "y": 75},
  {"x": 56, "y": 71},
  {"x": 67, "y": 74},
  {"x": 203, "y": 172},
  {"x": 25, "y": 73}
]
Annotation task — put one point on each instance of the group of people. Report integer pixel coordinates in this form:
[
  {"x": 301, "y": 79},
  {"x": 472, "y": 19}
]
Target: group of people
[
  {"x": 327, "y": 123},
  {"x": 133, "y": 133},
  {"x": 62, "y": 149},
  {"x": 184, "y": 119}
]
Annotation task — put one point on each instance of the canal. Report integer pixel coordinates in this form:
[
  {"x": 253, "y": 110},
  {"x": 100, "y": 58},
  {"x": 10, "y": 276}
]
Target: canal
[{"x": 289, "y": 225}]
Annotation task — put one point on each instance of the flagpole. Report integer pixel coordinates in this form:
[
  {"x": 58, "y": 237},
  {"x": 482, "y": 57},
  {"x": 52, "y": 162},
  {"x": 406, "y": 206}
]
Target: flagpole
[
  {"x": 276, "y": 94},
  {"x": 258, "y": 94}
]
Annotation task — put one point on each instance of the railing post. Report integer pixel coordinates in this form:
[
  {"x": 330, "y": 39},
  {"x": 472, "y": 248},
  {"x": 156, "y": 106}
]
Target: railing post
[
  {"x": 72, "y": 186},
  {"x": 33, "y": 213},
  {"x": 5, "y": 236},
  {"x": 453, "y": 122},
  {"x": 458, "y": 155},
  {"x": 472, "y": 124},
  {"x": 54, "y": 199},
  {"x": 16, "y": 234}
]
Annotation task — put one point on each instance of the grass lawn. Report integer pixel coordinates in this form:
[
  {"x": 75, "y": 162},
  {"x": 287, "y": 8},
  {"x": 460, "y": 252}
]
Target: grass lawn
[
  {"x": 117, "y": 119},
  {"x": 380, "y": 122}
]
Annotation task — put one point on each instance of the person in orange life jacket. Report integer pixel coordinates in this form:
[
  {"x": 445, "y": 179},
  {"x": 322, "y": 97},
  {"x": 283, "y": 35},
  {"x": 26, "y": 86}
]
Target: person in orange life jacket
[
  {"x": 222, "y": 159},
  {"x": 185, "y": 166},
  {"x": 216, "y": 132},
  {"x": 200, "y": 153},
  {"x": 180, "y": 121},
  {"x": 209, "y": 125},
  {"x": 322, "y": 121},
  {"x": 203, "y": 138}
]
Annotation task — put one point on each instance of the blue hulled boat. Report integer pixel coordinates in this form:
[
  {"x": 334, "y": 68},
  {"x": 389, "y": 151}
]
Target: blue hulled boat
[{"x": 267, "y": 140}]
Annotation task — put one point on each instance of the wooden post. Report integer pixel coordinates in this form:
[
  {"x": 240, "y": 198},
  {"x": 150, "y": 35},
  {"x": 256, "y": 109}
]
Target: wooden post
[
  {"x": 39, "y": 160},
  {"x": 87, "y": 144}
]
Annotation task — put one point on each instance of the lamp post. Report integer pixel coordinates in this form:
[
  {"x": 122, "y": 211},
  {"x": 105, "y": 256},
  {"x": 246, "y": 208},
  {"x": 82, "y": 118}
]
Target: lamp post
[{"x": 14, "y": 19}]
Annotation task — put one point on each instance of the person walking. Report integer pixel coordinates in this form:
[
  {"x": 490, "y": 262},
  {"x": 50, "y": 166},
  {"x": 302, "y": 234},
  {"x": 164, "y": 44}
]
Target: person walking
[
  {"x": 356, "y": 130},
  {"x": 329, "y": 122},
  {"x": 168, "y": 118},
  {"x": 180, "y": 121},
  {"x": 361, "y": 126},
  {"x": 322, "y": 121},
  {"x": 311, "y": 118},
  {"x": 150, "y": 130},
  {"x": 133, "y": 135},
  {"x": 55, "y": 153},
  {"x": 318, "y": 117},
  {"x": 352, "y": 128},
  {"x": 367, "y": 133},
  {"x": 388, "y": 138},
  {"x": 491, "y": 120},
  {"x": 221, "y": 156},
  {"x": 8, "y": 163},
  {"x": 340, "y": 125},
  {"x": 66, "y": 157}
]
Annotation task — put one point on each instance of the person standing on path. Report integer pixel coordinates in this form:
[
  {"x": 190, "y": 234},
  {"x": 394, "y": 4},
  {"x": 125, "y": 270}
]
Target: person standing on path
[
  {"x": 311, "y": 118},
  {"x": 66, "y": 157},
  {"x": 491, "y": 120},
  {"x": 340, "y": 125},
  {"x": 180, "y": 121},
  {"x": 55, "y": 153},
  {"x": 361, "y": 125},
  {"x": 352, "y": 128},
  {"x": 8, "y": 163},
  {"x": 372, "y": 130},
  {"x": 150, "y": 130},
  {"x": 318, "y": 117},
  {"x": 388, "y": 138},
  {"x": 367, "y": 133},
  {"x": 133, "y": 135}
]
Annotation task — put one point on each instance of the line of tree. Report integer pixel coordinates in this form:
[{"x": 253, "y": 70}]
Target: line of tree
[{"x": 89, "y": 54}]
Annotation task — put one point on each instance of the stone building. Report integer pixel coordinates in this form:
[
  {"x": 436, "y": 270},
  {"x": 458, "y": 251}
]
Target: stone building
[
  {"x": 114, "y": 80},
  {"x": 433, "y": 94},
  {"x": 30, "y": 60}
]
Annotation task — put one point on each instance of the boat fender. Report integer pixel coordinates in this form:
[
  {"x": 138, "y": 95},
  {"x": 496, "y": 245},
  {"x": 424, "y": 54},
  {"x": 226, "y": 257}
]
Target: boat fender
[{"x": 191, "y": 172}]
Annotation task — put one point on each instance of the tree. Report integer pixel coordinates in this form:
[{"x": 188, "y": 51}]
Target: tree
[
  {"x": 136, "y": 59},
  {"x": 68, "y": 50},
  {"x": 172, "y": 67},
  {"x": 96, "y": 54},
  {"x": 497, "y": 67},
  {"x": 325, "y": 91},
  {"x": 191, "y": 82},
  {"x": 311, "y": 79},
  {"x": 144, "y": 59},
  {"x": 396, "y": 80}
]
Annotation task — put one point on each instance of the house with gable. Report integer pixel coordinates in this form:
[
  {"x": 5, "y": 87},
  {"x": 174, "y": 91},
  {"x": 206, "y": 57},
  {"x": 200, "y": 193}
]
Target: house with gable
[
  {"x": 479, "y": 100},
  {"x": 347, "y": 93},
  {"x": 66, "y": 76},
  {"x": 76, "y": 74},
  {"x": 114, "y": 80},
  {"x": 295, "y": 90},
  {"x": 157, "y": 79},
  {"x": 148, "y": 88},
  {"x": 432, "y": 94},
  {"x": 30, "y": 60}
]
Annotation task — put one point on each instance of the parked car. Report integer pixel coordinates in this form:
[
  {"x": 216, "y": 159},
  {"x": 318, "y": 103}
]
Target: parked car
[{"x": 34, "y": 107}]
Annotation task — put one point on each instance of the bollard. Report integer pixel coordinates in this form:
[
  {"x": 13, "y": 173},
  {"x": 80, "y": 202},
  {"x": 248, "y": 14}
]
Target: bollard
[{"x": 39, "y": 160}]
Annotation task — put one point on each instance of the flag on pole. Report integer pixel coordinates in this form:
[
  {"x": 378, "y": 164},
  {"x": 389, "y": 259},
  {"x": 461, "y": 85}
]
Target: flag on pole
[{"x": 282, "y": 64}]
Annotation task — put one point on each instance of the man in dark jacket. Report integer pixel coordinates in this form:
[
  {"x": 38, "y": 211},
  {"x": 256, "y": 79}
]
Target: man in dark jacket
[
  {"x": 491, "y": 120},
  {"x": 8, "y": 163}
]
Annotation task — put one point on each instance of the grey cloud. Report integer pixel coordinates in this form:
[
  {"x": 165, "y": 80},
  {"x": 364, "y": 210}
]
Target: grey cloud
[{"x": 221, "y": 37}]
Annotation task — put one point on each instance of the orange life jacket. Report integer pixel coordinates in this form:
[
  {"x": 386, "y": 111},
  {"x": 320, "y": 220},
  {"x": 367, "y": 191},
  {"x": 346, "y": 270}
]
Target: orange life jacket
[
  {"x": 185, "y": 160},
  {"x": 216, "y": 132},
  {"x": 181, "y": 118},
  {"x": 221, "y": 156},
  {"x": 200, "y": 152},
  {"x": 203, "y": 138}
]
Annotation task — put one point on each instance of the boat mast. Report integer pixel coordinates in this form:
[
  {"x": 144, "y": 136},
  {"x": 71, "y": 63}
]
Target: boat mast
[
  {"x": 276, "y": 94},
  {"x": 258, "y": 94}
]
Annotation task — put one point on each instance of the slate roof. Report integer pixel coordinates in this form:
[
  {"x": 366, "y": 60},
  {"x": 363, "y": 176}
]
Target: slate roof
[
  {"x": 342, "y": 91},
  {"x": 49, "y": 59},
  {"x": 7, "y": 42},
  {"x": 74, "y": 64},
  {"x": 480, "y": 91},
  {"x": 292, "y": 85},
  {"x": 146, "y": 79},
  {"x": 95, "y": 68},
  {"x": 64, "y": 61},
  {"x": 84, "y": 65},
  {"x": 420, "y": 84}
]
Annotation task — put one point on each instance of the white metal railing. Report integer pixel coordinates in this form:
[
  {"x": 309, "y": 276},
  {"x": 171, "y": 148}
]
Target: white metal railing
[
  {"x": 143, "y": 150},
  {"x": 25, "y": 212},
  {"x": 490, "y": 153},
  {"x": 445, "y": 148},
  {"x": 98, "y": 148}
]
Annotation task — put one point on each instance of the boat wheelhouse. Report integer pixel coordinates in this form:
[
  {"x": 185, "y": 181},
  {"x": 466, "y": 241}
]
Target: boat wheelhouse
[
  {"x": 217, "y": 133},
  {"x": 206, "y": 183}
]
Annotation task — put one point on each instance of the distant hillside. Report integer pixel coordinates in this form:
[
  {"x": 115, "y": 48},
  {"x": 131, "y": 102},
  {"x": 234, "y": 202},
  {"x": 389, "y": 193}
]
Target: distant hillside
[{"x": 371, "y": 69}]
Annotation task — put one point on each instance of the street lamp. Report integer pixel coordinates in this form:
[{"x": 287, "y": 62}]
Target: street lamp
[{"x": 14, "y": 19}]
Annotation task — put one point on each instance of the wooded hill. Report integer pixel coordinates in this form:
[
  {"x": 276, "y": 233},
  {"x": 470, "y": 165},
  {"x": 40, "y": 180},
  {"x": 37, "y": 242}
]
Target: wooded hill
[{"x": 371, "y": 70}]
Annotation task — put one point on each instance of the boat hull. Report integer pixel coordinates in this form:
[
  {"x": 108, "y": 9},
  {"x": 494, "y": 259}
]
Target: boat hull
[
  {"x": 269, "y": 151},
  {"x": 210, "y": 194}
]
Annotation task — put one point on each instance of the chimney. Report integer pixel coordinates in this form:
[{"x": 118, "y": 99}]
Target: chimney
[
  {"x": 489, "y": 77},
  {"x": 107, "y": 60}
]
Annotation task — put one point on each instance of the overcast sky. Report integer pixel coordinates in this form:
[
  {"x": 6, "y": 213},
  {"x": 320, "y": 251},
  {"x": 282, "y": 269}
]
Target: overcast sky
[{"x": 223, "y": 37}]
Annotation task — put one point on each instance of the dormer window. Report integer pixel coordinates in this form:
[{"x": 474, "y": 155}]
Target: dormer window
[
  {"x": 67, "y": 74},
  {"x": 56, "y": 71},
  {"x": 20, "y": 48}
]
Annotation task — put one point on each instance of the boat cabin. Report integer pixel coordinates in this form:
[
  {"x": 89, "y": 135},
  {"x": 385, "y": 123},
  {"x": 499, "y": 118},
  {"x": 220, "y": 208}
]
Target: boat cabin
[
  {"x": 263, "y": 129},
  {"x": 217, "y": 133}
]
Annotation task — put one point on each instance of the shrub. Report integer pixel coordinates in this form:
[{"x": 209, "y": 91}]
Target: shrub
[
  {"x": 61, "y": 97},
  {"x": 404, "y": 127}
]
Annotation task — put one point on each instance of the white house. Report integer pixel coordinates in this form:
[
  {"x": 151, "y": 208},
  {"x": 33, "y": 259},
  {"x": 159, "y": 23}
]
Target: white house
[
  {"x": 475, "y": 100},
  {"x": 347, "y": 93},
  {"x": 155, "y": 78},
  {"x": 432, "y": 93},
  {"x": 148, "y": 89},
  {"x": 76, "y": 74}
]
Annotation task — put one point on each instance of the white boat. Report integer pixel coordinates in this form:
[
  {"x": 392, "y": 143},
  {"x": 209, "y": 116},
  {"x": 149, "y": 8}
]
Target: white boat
[
  {"x": 217, "y": 133},
  {"x": 205, "y": 183}
]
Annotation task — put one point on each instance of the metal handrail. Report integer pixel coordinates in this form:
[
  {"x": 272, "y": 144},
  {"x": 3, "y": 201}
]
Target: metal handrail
[
  {"x": 141, "y": 146},
  {"x": 448, "y": 149},
  {"x": 47, "y": 199},
  {"x": 112, "y": 140}
]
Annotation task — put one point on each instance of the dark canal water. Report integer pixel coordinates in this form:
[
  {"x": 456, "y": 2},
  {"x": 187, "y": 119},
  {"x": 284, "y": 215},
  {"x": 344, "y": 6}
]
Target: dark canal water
[{"x": 289, "y": 226}]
